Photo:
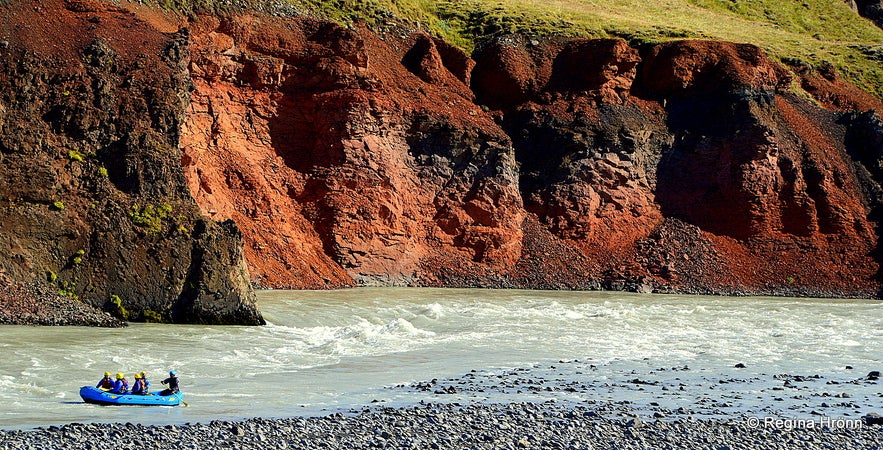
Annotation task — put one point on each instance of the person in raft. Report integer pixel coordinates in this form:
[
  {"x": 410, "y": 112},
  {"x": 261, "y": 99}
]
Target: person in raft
[
  {"x": 146, "y": 382},
  {"x": 121, "y": 385},
  {"x": 106, "y": 383},
  {"x": 138, "y": 387},
  {"x": 172, "y": 382}
]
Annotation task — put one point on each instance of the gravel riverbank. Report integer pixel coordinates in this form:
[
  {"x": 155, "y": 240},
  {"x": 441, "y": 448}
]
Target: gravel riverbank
[{"x": 451, "y": 426}]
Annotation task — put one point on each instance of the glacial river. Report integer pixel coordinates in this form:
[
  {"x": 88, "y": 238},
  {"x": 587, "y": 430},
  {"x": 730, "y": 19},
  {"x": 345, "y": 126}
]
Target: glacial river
[{"x": 331, "y": 351}]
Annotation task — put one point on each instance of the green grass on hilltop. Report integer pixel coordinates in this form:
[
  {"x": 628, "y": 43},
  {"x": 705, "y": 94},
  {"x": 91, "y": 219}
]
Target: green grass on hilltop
[{"x": 804, "y": 31}]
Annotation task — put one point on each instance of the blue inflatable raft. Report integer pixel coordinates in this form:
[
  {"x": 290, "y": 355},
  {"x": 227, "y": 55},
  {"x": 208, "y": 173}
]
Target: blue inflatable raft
[{"x": 94, "y": 395}]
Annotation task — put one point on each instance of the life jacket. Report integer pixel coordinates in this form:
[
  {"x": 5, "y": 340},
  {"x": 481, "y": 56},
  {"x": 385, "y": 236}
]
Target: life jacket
[
  {"x": 138, "y": 388},
  {"x": 106, "y": 383}
]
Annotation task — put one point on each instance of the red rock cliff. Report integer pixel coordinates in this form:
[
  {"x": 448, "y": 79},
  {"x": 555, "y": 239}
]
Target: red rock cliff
[
  {"x": 346, "y": 157},
  {"x": 352, "y": 158}
]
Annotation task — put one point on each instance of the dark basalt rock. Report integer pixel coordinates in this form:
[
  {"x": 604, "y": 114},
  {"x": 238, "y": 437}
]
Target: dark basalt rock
[
  {"x": 871, "y": 9},
  {"x": 93, "y": 201}
]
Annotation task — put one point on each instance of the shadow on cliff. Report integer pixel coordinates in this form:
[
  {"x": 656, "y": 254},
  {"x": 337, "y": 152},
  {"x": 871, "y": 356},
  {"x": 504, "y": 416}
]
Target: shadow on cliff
[
  {"x": 872, "y": 10},
  {"x": 300, "y": 134},
  {"x": 864, "y": 143},
  {"x": 700, "y": 177},
  {"x": 296, "y": 134}
]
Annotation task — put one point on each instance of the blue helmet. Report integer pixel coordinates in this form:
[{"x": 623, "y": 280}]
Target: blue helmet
[{"x": 172, "y": 373}]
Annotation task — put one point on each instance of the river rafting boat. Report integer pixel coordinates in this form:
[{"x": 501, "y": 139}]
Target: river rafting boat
[{"x": 95, "y": 395}]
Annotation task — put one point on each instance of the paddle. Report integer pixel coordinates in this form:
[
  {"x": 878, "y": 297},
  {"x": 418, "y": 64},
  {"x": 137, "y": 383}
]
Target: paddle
[{"x": 182, "y": 401}]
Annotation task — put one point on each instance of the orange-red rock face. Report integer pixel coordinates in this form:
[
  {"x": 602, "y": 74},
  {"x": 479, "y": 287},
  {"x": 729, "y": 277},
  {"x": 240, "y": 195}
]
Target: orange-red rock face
[
  {"x": 339, "y": 164},
  {"x": 349, "y": 158}
]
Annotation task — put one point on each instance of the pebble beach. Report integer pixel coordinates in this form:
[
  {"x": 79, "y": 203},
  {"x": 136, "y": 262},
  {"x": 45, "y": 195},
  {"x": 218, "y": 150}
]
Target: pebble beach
[
  {"x": 451, "y": 426},
  {"x": 36, "y": 304}
]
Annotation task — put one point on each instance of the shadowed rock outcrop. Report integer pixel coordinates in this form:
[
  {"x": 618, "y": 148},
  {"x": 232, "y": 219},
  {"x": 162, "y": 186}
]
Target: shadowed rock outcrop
[
  {"x": 93, "y": 198},
  {"x": 871, "y": 9}
]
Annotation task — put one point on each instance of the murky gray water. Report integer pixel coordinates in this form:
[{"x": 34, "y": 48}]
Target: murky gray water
[{"x": 329, "y": 351}]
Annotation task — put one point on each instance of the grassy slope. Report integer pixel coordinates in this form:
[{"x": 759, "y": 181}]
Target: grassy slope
[{"x": 808, "y": 31}]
